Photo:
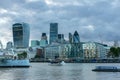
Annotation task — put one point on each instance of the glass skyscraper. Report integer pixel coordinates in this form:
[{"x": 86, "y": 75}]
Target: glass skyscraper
[
  {"x": 43, "y": 41},
  {"x": 21, "y": 33},
  {"x": 76, "y": 47},
  {"x": 53, "y": 32},
  {"x": 76, "y": 38}
]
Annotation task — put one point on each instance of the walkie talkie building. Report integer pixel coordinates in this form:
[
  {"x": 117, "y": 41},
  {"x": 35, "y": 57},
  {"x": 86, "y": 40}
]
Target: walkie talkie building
[{"x": 21, "y": 33}]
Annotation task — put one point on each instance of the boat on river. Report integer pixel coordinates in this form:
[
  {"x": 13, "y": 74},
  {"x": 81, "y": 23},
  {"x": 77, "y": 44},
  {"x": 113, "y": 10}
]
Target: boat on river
[
  {"x": 11, "y": 63},
  {"x": 106, "y": 69},
  {"x": 57, "y": 63},
  {"x": 8, "y": 60}
]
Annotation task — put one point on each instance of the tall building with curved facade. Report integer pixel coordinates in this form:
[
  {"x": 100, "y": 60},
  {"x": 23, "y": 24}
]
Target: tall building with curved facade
[
  {"x": 76, "y": 47},
  {"x": 21, "y": 33},
  {"x": 76, "y": 38}
]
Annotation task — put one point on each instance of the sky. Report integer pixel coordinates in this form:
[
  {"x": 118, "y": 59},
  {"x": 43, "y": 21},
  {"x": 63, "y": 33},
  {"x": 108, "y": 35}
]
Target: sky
[{"x": 94, "y": 20}]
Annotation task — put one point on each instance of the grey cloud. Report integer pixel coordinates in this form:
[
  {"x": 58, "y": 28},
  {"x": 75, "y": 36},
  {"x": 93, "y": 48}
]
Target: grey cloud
[{"x": 102, "y": 14}]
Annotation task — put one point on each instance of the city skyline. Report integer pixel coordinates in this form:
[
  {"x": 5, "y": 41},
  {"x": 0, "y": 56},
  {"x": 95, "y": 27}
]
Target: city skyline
[{"x": 93, "y": 20}]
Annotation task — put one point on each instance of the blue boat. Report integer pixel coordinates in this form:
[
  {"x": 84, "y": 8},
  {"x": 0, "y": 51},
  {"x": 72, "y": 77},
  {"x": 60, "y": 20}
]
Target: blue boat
[
  {"x": 11, "y": 60},
  {"x": 106, "y": 69},
  {"x": 5, "y": 63}
]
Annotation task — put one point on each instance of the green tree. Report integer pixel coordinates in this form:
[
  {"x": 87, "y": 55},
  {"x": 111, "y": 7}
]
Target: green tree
[
  {"x": 114, "y": 52},
  {"x": 22, "y": 55},
  {"x": 37, "y": 56}
]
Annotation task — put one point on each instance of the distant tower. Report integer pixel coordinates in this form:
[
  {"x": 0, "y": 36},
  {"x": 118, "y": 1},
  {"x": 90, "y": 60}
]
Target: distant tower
[
  {"x": 60, "y": 38},
  {"x": 43, "y": 41},
  {"x": 70, "y": 38},
  {"x": 9, "y": 45},
  {"x": 21, "y": 33},
  {"x": 44, "y": 36},
  {"x": 53, "y": 32}
]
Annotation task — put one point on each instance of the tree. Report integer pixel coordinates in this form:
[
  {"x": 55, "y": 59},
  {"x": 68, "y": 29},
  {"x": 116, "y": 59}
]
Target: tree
[
  {"x": 22, "y": 55},
  {"x": 114, "y": 52},
  {"x": 37, "y": 56}
]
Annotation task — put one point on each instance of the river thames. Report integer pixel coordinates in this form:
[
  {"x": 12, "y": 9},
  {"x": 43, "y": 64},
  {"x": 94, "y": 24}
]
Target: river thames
[{"x": 69, "y": 71}]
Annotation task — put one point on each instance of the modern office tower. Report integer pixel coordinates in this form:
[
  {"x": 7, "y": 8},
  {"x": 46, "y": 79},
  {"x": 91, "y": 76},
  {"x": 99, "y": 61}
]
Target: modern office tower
[
  {"x": 9, "y": 45},
  {"x": 44, "y": 36},
  {"x": 70, "y": 38},
  {"x": 76, "y": 38},
  {"x": 43, "y": 41},
  {"x": 35, "y": 43},
  {"x": 21, "y": 33},
  {"x": 76, "y": 47},
  {"x": 53, "y": 32},
  {"x": 60, "y": 38}
]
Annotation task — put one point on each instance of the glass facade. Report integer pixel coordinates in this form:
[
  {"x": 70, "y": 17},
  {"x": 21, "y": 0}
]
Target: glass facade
[
  {"x": 76, "y": 47},
  {"x": 53, "y": 32},
  {"x": 35, "y": 43},
  {"x": 76, "y": 38},
  {"x": 21, "y": 33}
]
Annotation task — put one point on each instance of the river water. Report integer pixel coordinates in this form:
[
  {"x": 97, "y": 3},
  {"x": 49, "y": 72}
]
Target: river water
[{"x": 70, "y": 71}]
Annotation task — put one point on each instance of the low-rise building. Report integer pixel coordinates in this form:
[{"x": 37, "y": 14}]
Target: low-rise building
[{"x": 95, "y": 50}]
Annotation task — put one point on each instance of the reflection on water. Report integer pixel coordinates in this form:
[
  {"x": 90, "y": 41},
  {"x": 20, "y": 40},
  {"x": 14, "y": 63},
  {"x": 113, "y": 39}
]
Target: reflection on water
[{"x": 70, "y": 71}]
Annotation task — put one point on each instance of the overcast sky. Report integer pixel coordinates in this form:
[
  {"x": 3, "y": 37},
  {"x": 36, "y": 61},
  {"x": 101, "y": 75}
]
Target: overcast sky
[{"x": 95, "y": 20}]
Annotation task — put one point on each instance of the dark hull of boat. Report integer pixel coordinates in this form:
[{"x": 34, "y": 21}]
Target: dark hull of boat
[
  {"x": 14, "y": 66},
  {"x": 106, "y": 70}
]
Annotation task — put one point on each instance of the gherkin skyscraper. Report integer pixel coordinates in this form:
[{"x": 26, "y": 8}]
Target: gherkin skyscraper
[{"x": 76, "y": 38}]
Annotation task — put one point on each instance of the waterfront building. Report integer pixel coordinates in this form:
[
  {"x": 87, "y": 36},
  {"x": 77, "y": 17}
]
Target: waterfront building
[
  {"x": 58, "y": 50},
  {"x": 94, "y": 50},
  {"x": 64, "y": 50},
  {"x": 52, "y": 51},
  {"x": 35, "y": 43},
  {"x": 39, "y": 53},
  {"x": 21, "y": 33},
  {"x": 53, "y": 32},
  {"x": 9, "y": 45}
]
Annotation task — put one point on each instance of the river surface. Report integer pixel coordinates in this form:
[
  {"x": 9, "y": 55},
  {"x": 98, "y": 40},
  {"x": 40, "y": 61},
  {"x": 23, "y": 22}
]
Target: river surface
[{"x": 70, "y": 71}]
